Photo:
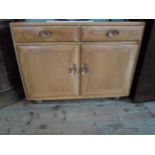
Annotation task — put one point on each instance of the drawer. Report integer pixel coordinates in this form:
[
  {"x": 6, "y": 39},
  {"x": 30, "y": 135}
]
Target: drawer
[
  {"x": 45, "y": 33},
  {"x": 111, "y": 33}
]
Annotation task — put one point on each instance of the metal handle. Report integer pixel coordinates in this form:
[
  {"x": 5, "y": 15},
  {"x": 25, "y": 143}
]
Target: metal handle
[
  {"x": 84, "y": 69},
  {"x": 45, "y": 34},
  {"x": 112, "y": 33},
  {"x": 73, "y": 70}
]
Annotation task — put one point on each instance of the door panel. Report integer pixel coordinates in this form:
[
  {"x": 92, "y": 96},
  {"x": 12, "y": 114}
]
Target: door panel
[
  {"x": 110, "y": 68},
  {"x": 45, "y": 70}
]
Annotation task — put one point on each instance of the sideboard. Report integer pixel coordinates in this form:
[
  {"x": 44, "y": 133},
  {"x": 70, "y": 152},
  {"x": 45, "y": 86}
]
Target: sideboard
[{"x": 76, "y": 60}]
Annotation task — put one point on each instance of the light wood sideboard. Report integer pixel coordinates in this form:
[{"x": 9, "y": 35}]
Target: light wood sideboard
[{"x": 77, "y": 60}]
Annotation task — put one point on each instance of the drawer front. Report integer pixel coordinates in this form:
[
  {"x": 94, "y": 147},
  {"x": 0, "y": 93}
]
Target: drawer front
[
  {"x": 45, "y": 33},
  {"x": 111, "y": 33}
]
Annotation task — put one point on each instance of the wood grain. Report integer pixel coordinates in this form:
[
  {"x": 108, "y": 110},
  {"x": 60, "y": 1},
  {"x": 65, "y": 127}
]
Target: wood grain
[
  {"x": 45, "y": 70},
  {"x": 55, "y": 23},
  {"x": 44, "y": 62},
  {"x": 99, "y": 33},
  {"x": 109, "y": 68},
  {"x": 57, "y": 33}
]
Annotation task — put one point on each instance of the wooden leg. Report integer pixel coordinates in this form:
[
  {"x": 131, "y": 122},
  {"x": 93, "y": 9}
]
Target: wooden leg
[
  {"x": 39, "y": 101},
  {"x": 117, "y": 98}
]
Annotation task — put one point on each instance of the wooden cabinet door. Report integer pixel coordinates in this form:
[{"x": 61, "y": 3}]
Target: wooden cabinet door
[
  {"x": 107, "y": 69},
  {"x": 49, "y": 71}
]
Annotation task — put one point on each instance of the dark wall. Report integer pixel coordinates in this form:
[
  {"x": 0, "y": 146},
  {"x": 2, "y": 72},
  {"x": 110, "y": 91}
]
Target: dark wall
[{"x": 143, "y": 88}]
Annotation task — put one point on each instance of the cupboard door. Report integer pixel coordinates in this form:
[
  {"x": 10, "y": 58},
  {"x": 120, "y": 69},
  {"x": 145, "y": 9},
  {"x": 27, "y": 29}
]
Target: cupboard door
[
  {"x": 49, "y": 71},
  {"x": 107, "y": 69}
]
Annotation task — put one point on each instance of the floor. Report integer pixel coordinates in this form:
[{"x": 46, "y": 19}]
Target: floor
[{"x": 78, "y": 117}]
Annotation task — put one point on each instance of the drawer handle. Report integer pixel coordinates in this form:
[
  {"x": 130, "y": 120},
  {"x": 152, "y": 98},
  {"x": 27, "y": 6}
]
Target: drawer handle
[
  {"x": 84, "y": 70},
  {"x": 73, "y": 70},
  {"x": 112, "y": 33},
  {"x": 45, "y": 34}
]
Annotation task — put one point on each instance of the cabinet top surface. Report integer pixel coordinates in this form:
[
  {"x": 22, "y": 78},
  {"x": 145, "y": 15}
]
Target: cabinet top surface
[{"x": 70, "y": 23}]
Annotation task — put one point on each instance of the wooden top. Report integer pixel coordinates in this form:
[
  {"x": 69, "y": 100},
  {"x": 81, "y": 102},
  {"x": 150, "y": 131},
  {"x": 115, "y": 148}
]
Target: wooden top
[{"x": 78, "y": 23}]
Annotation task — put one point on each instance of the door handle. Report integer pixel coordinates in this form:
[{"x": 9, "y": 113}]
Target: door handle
[
  {"x": 84, "y": 69},
  {"x": 73, "y": 70}
]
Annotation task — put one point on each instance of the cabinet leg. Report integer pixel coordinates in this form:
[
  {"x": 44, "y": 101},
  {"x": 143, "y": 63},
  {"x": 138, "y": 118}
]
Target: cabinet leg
[
  {"x": 117, "y": 98},
  {"x": 39, "y": 101}
]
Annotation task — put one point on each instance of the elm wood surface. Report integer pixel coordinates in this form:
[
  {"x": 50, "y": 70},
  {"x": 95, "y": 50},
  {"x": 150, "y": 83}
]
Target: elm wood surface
[
  {"x": 102, "y": 33},
  {"x": 78, "y": 23},
  {"x": 30, "y": 60},
  {"x": 45, "y": 70},
  {"x": 45, "y": 33},
  {"x": 110, "y": 68}
]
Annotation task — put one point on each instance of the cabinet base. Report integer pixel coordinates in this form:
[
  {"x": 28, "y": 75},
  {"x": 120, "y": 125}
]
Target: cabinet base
[{"x": 41, "y": 99}]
